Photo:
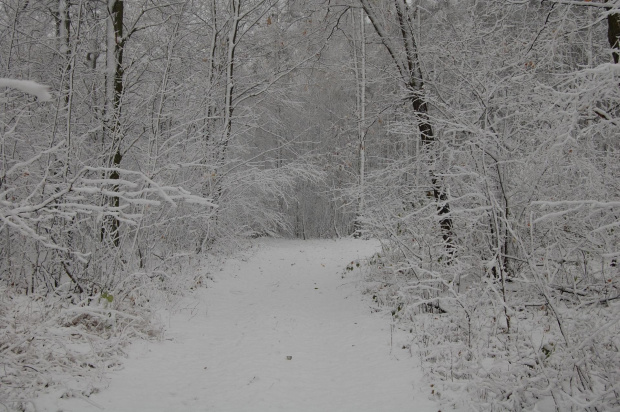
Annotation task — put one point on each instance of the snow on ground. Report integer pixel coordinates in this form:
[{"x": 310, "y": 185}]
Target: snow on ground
[{"x": 230, "y": 352}]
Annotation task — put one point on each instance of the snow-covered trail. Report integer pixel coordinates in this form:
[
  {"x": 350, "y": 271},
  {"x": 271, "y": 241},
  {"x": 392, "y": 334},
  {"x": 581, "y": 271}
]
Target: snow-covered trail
[{"x": 288, "y": 299}]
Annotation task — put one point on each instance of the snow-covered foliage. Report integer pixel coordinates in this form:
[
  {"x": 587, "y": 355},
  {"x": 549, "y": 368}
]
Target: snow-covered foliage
[
  {"x": 544, "y": 345},
  {"x": 55, "y": 344},
  {"x": 478, "y": 138},
  {"x": 515, "y": 301},
  {"x": 120, "y": 171},
  {"x": 27, "y": 86}
]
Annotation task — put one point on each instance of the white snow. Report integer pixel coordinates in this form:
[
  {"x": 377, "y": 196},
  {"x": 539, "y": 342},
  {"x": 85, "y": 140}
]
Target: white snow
[
  {"x": 227, "y": 351},
  {"x": 28, "y": 86}
]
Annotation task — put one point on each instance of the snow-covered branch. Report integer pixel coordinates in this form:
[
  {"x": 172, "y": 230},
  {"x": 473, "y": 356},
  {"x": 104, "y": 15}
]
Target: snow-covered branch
[{"x": 29, "y": 87}]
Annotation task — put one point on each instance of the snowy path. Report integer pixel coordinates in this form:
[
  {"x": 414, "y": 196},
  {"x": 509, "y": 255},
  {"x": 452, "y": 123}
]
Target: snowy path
[{"x": 288, "y": 299}]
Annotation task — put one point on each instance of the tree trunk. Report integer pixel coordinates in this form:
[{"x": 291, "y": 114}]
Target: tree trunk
[
  {"x": 613, "y": 35},
  {"x": 221, "y": 146},
  {"x": 114, "y": 92},
  {"x": 405, "y": 56},
  {"x": 230, "y": 85},
  {"x": 63, "y": 32},
  {"x": 360, "y": 66}
]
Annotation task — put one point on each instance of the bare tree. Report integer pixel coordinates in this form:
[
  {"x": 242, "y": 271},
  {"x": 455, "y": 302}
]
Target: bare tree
[{"x": 399, "y": 39}]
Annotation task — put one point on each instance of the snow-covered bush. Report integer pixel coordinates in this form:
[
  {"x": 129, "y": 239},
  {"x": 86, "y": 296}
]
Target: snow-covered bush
[{"x": 518, "y": 305}]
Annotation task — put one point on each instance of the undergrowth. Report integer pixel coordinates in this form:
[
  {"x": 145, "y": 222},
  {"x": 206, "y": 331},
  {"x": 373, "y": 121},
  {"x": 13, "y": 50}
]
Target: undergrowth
[
  {"x": 537, "y": 347},
  {"x": 65, "y": 343}
]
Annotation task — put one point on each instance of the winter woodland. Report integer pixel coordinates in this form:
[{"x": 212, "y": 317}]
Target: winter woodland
[{"x": 479, "y": 140}]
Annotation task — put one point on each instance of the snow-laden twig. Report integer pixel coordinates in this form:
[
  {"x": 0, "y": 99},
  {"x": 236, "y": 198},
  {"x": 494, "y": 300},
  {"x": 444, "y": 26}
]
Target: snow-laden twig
[{"x": 28, "y": 86}]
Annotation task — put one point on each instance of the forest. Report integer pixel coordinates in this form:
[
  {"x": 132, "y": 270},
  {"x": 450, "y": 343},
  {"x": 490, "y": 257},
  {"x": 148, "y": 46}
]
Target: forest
[{"x": 479, "y": 140}]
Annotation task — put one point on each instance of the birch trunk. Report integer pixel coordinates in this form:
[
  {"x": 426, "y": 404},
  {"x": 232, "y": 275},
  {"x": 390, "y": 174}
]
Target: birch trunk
[{"x": 360, "y": 66}]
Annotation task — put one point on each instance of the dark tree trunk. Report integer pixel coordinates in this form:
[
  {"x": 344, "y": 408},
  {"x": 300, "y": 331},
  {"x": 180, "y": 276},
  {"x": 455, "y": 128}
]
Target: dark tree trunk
[
  {"x": 114, "y": 90},
  {"x": 404, "y": 53},
  {"x": 613, "y": 34}
]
